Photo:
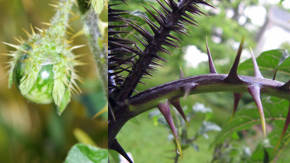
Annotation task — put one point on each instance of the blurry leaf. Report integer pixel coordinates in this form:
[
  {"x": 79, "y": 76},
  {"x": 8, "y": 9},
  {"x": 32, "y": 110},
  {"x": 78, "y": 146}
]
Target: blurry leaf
[
  {"x": 195, "y": 147},
  {"x": 114, "y": 156},
  {"x": 94, "y": 99},
  {"x": 81, "y": 153},
  {"x": 55, "y": 130},
  {"x": 104, "y": 14},
  {"x": 83, "y": 137},
  {"x": 235, "y": 136}
]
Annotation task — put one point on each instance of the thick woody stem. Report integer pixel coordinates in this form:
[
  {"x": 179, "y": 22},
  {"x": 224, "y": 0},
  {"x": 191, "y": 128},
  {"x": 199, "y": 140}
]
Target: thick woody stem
[
  {"x": 150, "y": 98},
  {"x": 205, "y": 83}
]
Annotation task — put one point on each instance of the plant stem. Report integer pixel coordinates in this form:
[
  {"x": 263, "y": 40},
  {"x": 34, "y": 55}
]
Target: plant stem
[
  {"x": 149, "y": 99},
  {"x": 90, "y": 19}
]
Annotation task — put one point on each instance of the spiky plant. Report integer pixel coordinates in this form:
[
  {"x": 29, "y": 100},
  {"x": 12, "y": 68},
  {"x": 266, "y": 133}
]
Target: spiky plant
[
  {"x": 128, "y": 64},
  {"x": 43, "y": 65}
]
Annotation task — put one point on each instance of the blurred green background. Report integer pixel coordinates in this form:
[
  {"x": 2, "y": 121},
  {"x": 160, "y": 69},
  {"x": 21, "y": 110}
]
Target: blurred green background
[
  {"x": 33, "y": 133},
  {"x": 145, "y": 137}
]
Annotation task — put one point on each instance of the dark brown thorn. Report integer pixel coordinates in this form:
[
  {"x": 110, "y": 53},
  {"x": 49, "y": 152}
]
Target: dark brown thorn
[
  {"x": 161, "y": 15},
  {"x": 165, "y": 110},
  {"x": 169, "y": 43},
  {"x": 142, "y": 31},
  {"x": 257, "y": 71},
  {"x": 153, "y": 26},
  {"x": 237, "y": 98},
  {"x": 114, "y": 144},
  {"x": 159, "y": 58},
  {"x": 210, "y": 61},
  {"x": 141, "y": 41},
  {"x": 172, "y": 4},
  {"x": 176, "y": 104},
  {"x": 163, "y": 6},
  {"x": 233, "y": 74},
  {"x": 254, "y": 91},
  {"x": 157, "y": 18},
  {"x": 162, "y": 49},
  {"x": 173, "y": 37}
]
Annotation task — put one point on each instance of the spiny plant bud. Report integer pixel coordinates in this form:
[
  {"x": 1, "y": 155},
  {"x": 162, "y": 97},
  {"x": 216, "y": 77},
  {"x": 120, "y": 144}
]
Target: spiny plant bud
[{"x": 42, "y": 67}]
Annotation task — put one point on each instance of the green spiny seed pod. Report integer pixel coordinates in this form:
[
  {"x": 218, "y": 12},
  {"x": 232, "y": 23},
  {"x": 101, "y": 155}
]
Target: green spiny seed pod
[{"x": 43, "y": 66}]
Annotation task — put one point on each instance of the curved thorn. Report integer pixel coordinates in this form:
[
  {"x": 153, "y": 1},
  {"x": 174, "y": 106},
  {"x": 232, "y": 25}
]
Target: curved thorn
[
  {"x": 254, "y": 90},
  {"x": 176, "y": 104},
  {"x": 233, "y": 74},
  {"x": 257, "y": 71},
  {"x": 210, "y": 61},
  {"x": 114, "y": 144},
  {"x": 237, "y": 98},
  {"x": 165, "y": 110}
]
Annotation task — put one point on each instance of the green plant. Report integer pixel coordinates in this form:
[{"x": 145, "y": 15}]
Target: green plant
[
  {"x": 130, "y": 61},
  {"x": 42, "y": 67}
]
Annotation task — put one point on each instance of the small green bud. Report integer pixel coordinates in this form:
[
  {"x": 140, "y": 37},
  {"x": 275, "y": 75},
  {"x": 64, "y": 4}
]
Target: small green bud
[{"x": 43, "y": 66}]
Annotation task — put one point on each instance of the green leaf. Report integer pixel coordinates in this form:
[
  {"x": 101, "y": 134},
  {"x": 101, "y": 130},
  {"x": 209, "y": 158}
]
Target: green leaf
[
  {"x": 81, "y": 153},
  {"x": 114, "y": 156},
  {"x": 275, "y": 113},
  {"x": 94, "y": 97},
  {"x": 285, "y": 66},
  {"x": 247, "y": 117},
  {"x": 272, "y": 60}
]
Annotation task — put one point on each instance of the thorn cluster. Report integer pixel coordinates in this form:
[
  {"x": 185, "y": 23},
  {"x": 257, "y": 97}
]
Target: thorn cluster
[{"x": 125, "y": 57}]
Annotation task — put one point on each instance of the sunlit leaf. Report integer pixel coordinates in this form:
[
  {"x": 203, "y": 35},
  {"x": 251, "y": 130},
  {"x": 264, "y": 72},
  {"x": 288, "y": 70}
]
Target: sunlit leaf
[{"x": 272, "y": 60}]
